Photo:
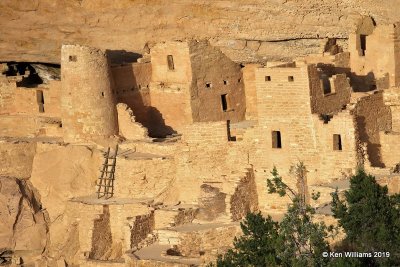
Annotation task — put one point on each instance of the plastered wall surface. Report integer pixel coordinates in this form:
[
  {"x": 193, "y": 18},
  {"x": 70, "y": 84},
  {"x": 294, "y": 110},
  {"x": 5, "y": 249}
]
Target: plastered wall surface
[
  {"x": 88, "y": 101},
  {"x": 215, "y": 76}
]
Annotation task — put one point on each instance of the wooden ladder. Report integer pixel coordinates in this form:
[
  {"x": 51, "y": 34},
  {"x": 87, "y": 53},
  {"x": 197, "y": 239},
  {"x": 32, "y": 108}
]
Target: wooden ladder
[{"x": 105, "y": 184}]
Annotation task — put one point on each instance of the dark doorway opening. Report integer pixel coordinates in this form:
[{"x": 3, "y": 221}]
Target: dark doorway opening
[
  {"x": 276, "y": 139},
  {"x": 224, "y": 102},
  {"x": 337, "y": 142},
  {"x": 326, "y": 84},
  {"x": 363, "y": 44},
  {"x": 40, "y": 100},
  {"x": 170, "y": 60}
]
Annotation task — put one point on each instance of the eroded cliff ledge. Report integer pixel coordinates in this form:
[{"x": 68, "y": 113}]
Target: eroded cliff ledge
[{"x": 246, "y": 30}]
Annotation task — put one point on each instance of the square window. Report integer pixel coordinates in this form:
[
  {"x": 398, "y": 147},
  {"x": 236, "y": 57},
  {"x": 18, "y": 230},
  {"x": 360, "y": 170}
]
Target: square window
[
  {"x": 290, "y": 78},
  {"x": 225, "y": 82},
  {"x": 72, "y": 58},
  {"x": 208, "y": 85},
  {"x": 276, "y": 139},
  {"x": 267, "y": 78}
]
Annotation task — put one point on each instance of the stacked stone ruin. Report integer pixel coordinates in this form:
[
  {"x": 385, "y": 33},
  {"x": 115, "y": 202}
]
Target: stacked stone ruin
[{"x": 198, "y": 136}]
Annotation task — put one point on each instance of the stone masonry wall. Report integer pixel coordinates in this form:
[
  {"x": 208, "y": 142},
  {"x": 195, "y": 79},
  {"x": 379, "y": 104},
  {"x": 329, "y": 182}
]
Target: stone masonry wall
[
  {"x": 372, "y": 117},
  {"x": 334, "y": 162},
  {"x": 10, "y": 125},
  {"x": 391, "y": 98},
  {"x": 250, "y": 90},
  {"x": 390, "y": 148},
  {"x": 182, "y": 70},
  {"x": 23, "y": 100},
  {"x": 215, "y": 76},
  {"x": 245, "y": 198},
  {"x": 170, "y": 108},
  {"x": 88, "y": 104},
  {"x": 132, "y": 88},
  {"x": 206, "y": 147},
  {"x": 128, "y": 127},
  {"x": 170, "y": 88},
  {"x": 284, "y": 106},
  {"x": 7, "y": 92},
  {"x": 212, "y": 132},
  {"x": 332, "y": 102},
  {"x": 141, "y": 227},
  {"x": 382, "y": 53},
  {"x": 126, "y": 227}
]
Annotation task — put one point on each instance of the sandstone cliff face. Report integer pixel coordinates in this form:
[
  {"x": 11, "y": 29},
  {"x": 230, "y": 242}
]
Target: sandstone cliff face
[
  {"x": 61, "y": 173},
  {"x": 22, "y": 223},
  {"x": 247, "y": 30}
]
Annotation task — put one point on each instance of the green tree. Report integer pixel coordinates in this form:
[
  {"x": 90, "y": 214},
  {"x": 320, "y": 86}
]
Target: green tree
[
  {"x": 258, "y": 246},
  {"x": 370, "y": 219},
  {"x": 304, "y": 239},
  {"x": 296, "y": 241}
]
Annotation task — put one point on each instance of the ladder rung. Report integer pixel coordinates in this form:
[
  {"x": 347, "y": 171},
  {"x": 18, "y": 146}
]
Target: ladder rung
[
  {"x": 101, "y": 191},
  {"x": 105, "y": 186},
  {"x": 101, "y": 186}
]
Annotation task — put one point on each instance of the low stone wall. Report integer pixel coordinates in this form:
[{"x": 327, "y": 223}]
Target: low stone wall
[
  {"x": 142, "y": 226},
  {"x": 198, "y": 243},
  {"x": 128, "y": 127},
  {"x": 211, "y": 203},
  {"x": 29, "y": 126},
  {"x": 245, "y": 198}
]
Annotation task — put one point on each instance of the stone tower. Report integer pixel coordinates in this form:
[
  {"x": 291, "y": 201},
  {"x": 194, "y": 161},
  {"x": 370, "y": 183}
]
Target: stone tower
[{"x": 87, "y": 100}]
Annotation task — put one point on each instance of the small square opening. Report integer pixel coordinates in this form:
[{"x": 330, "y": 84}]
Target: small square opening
[
  {"x": 102, "y": 94},
  {"x": 290, "y": 78},
  {"x": 208, "y": 85},
  {"x": 72, "y": 58},
  {"x": 267, "y": 78},
  {"x": 337, "y": 142},
  {"x": 276, "y": 139},
  {"x": 225, "y": 82}
]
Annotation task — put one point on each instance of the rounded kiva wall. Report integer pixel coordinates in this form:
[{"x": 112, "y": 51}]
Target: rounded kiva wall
[{"x": 87, "y": 99}]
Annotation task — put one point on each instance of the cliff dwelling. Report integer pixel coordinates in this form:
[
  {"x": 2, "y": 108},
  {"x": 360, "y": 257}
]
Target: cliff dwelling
[{"x": 153, "y": 156}]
